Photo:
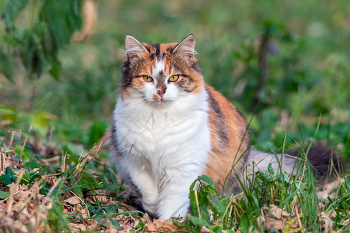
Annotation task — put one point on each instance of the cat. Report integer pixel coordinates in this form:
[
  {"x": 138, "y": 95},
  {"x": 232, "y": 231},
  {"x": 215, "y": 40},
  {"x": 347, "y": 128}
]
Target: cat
[{"x": 169, "y": 127}]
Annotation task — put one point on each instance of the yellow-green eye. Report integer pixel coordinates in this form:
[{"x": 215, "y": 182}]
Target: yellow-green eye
[
  {"x": 174, "y": 78},
  {"x": 147, "y": 78}
]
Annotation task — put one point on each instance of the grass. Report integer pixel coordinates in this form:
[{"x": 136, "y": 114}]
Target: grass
[{"x": 78, "y": 190}]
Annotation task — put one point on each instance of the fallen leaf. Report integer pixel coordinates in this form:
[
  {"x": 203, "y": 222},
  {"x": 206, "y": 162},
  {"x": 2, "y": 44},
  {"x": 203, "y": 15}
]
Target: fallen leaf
[
  {"x": 278, "y": 213},
  {"x": 50, "y": 179},
  {"x": 90, "y": 21},
  {"x": 4, "y": 123},
  {"x": 328, "y": 188},
  {"x": 51, "y": 161},
  {"x": 260, "y": 220},
  {"x": 204, "y": 230},
  {"x": 280, "y": 224},
  {"x": 9, "y": 225},
  {"x": 35, "y": 188},
  {"x": 84, "y": 211},
  {"x": 91, "y": 224},
  {"x": 77, "y": 227},
  {"x": 326, "y": 222},
  {"x": 159, "y": 225},
  {"x": 332, "y": 214},
  {"x": 73, "y": 200}
]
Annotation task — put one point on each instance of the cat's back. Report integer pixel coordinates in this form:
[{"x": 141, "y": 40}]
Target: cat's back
[{"x": 229, "y": 138}]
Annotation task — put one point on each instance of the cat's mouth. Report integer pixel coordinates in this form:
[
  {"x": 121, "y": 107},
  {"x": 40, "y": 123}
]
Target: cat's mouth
[{"x": 158, "y": 99}]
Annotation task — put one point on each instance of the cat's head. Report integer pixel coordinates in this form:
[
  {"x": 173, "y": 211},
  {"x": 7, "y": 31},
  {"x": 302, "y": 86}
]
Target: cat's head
[{"x": 160, "y": 73}]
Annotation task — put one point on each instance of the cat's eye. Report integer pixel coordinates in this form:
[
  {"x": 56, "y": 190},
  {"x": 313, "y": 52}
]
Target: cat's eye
[
  {"x": 147, "y": 78},
  {"x": 174, "y": 78}
]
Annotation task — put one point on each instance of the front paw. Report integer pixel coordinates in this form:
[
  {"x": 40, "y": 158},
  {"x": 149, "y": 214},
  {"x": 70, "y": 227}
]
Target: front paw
[{"x": 150, "y": 208}]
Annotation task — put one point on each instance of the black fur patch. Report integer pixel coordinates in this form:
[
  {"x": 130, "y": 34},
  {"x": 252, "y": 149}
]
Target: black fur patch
[
  {"x": 127, "y": 78},
  {"x": 157, "y": 47},
  {"x": 320, "y": 158},
  {"x": 113, "y": 131},
  {"x": 220, "y": 120}
]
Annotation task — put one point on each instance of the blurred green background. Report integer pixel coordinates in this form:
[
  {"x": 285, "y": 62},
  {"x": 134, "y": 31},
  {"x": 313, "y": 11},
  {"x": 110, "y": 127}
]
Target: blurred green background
[{"x": 306, "y": 74}]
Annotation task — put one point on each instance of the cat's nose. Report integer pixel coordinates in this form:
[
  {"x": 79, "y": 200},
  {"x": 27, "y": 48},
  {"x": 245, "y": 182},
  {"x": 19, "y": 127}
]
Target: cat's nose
[{"x": 161, "y": 92}]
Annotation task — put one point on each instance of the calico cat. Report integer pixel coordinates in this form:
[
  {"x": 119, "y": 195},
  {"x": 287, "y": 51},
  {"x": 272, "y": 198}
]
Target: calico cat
[{"x": 169, "y": 127}]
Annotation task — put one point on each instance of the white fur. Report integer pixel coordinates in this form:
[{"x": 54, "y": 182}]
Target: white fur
[
  {"x": 159, "y": 67},
  {"x": 164, "y": 149},
  {"x": 133, "y": 47}
]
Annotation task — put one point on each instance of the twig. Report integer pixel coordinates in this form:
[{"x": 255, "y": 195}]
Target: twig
[
  {"x": 25, "y": 141},
  {"x": 12, "y": 135},
  {"x": 10, "y": 200},
  {"x": 37, "y": 211},
  {"x": 64, "y": 161},
  {"x": 53, "y": 187},
  {"x": 299, "y": 222},
  {"x": 296, "y": 195},
  {"x": 195, "y": 195},
  {"x": 109, "y": 226}
]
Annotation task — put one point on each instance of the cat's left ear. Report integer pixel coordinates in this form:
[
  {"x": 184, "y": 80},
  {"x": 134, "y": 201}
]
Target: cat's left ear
[
  {"x": 186, "y": 47},
  {"x": 134, "y": 48}
]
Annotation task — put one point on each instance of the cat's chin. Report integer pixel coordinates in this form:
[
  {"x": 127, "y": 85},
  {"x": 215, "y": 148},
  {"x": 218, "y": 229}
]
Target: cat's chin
[{"x": 161, "y": 103}]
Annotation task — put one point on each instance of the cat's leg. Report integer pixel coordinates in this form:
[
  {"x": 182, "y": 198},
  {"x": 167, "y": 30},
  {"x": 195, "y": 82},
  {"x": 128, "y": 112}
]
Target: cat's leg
[
  {"x": 173, "y": 197},
  {"x": 143, "y": 182},
  {"x": 148, "y": 189}
]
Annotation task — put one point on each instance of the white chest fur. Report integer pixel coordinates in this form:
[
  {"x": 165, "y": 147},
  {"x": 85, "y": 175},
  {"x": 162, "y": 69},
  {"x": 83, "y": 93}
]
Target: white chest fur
[{"x": 162, "y": 148}]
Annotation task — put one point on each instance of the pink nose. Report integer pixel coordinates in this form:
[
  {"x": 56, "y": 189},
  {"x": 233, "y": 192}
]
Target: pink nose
[{"x": 161, "y": 93}]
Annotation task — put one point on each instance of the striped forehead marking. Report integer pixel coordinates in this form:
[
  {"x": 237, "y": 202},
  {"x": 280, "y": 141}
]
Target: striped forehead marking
[
  {"x": 158, "y": 68},
  {"x": 158, "y": 53}
]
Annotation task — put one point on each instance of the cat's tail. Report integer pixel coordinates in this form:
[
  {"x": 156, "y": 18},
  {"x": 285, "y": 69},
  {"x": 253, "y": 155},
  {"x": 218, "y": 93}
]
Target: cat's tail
[{"x": 323, "y": 161}]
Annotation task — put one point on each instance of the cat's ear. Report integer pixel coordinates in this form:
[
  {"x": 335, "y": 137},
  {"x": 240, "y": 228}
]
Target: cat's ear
[
  {"x": 134, "y": 47},
  {"x": 186, "y": 47}
]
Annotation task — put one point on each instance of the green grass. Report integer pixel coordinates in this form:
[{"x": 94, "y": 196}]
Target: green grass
[{"x": 252, "y": 210}]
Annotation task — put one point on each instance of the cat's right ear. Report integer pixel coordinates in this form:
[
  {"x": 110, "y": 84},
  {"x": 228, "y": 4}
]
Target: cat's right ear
[{"x": 133, "y": 47}]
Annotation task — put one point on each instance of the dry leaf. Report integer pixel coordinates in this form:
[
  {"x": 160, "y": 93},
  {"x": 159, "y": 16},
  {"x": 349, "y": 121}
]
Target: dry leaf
[
  {"x": 101, "y": 196},
  {"x": 204, "y": 230},
  {"x": 327, "y": 189},
  {"x": 280, "y": 224},
  {"x": 50, "y": 179},
  {"x": 278, "y": 213},
  {"x": 346, "y": 221},
  {"x": 8, "y": 225},
  {"x": 84, "y": 211},
  {"x": 90, "y": 21},
  {"x": 91, "y": 224},
  {"x": 35, "y": 188},
  {"x": 275, "y": 223},
  {"x": 332, "y": 214},
  {"x": 326, "y": 222},
  {"x": 260, "y": 220},
  {"x": 51, "y": 161},
  {"x": 77, "y": 227},
  {"x": 159, "y": 225},
  {"x": 73, "y": 200},
  {"x": 4, "y": 123},
  {"x": 23, "y": 196},
  {"x": 2, "y": 207}
]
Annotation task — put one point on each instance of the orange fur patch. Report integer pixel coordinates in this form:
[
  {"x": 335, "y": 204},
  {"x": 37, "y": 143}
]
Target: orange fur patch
[
  {"x": 155, "y": 97},
  {"x": 138, "y": 82},
  {"x": 223, "y": 157}
]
